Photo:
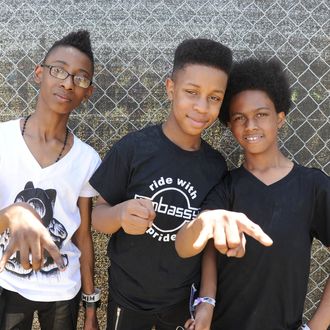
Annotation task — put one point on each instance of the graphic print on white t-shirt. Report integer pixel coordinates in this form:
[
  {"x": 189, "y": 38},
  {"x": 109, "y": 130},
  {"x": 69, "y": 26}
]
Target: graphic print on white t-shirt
[
  {"x": 43, "y": 202},
  {"x": 172, "y": 201}
]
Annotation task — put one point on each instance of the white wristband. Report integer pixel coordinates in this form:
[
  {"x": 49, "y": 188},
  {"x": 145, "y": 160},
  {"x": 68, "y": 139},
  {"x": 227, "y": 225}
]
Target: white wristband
[
  {"x": 207, "y": 300},
  {"x": 92, "y": 298},
  {"x": 305, "y": 327}
]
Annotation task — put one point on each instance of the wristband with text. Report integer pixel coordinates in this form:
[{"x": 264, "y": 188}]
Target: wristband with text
[{"x": 91, "y": 300}]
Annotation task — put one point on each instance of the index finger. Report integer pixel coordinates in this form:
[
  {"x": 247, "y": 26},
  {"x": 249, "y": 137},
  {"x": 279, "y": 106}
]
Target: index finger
[
  {"x": 54, "y": 252},
  {"x": 147, "y": 203},
  {"x": 252, "y": 229},
  {"x": 7, "y": 253}
]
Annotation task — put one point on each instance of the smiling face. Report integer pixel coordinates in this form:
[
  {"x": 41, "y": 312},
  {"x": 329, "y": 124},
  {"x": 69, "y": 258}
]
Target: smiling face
[
  {"x": 196, "y": 93},
  {"x": 254, "y": 122},
  {"x": 62, "y": 96}
]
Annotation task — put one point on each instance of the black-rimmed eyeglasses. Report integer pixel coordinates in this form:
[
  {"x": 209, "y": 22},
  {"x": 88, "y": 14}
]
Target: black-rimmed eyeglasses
[{"x": 60, "y": 73}]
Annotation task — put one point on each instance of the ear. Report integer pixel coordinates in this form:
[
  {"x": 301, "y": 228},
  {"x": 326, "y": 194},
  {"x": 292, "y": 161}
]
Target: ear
[
  {"x": 169, "y": 83},
  {"x": 88, "y": 93},
  {"x": 37, "y": 75},
  {"x": 280, "y": 119}
]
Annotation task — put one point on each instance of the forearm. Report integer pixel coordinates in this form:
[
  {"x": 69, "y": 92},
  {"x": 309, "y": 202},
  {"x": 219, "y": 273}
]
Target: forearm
[
  {"x": 134, "y": 216},
  {"x": 83, "y": 239},
  {"x": 208, "y": 287},
  {"x": 86, "y": 264},
  {"x": 87, "y": 276},
  {"x": 106, "y": 218},
  {"x": 321, "y": 318},
  {"x": 192, "y": 238},
  {"x": 4, "y": 219}
]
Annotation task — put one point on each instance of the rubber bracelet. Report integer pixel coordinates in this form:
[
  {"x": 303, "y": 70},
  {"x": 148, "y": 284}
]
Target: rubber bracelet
[
  {"x": 207, "y": 300},
  {"x": 91, "y": 298}
]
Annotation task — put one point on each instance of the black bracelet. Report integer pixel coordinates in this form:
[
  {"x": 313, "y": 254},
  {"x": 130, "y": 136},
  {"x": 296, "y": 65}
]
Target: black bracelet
[{"x": 91, "y": 304}]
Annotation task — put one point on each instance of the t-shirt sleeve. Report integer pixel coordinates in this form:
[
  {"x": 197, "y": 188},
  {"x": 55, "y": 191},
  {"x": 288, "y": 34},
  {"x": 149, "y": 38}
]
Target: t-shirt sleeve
[
  {"x": 87, "y": 190},
  {"x": 320, "y": 228},
  {"x": 111, "y": 177},
  {"x": 219, "y": 196}
]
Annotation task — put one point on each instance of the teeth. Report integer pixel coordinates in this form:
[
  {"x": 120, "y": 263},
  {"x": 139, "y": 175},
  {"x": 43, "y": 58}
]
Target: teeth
[{"x": 252, "y": 138}]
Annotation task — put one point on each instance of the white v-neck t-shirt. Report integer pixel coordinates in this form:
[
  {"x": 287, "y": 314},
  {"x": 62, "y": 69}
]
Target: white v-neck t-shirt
[{"x": 53, "y": 191}]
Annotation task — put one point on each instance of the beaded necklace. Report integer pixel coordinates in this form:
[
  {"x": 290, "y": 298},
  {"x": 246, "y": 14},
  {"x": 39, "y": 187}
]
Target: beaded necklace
[{"x": 65, "y": 139}]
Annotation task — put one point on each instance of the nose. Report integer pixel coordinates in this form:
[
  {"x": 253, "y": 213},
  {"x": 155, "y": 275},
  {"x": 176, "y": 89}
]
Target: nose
[
  {"x": 251, "y": 124},
  {"x": 67, "y": 83},
  {"x": 201, "y": 105}
]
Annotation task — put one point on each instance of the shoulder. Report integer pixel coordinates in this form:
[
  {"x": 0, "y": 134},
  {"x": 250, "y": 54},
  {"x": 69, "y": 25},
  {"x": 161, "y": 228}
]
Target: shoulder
[
  {"x": 145, "y": 137},
  {"x": 9, "y": 125},
  {"x": 85, "y": 150},
  {"x": 313, "y": 177},
  {"x": 312, "y": 173},
  {"x": 9, "y": 130},
  {"x": 212, "y": 154},
  {"x": 143, "y": 134}
]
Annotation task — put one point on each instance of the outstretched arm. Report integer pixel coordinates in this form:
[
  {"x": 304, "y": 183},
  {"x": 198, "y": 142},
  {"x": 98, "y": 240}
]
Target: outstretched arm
[
  {"x": 134, "y": 216},
  {"x": 225, "y": 227},
  {"x": 27, "y": 235}
]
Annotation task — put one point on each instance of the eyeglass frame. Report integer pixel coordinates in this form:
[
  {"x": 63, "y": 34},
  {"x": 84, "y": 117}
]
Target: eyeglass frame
[{"x": 50, "y": 67}]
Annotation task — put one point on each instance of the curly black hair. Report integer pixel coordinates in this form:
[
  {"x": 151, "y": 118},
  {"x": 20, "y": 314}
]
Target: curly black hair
[
  {"x": 202, "y": 51},
  {"x": 78, "y": 39},
  {"x": 258, "y": 74}
]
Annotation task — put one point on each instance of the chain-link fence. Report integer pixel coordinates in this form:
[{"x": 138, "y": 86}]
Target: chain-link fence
[{"x": 134, "y": 43}]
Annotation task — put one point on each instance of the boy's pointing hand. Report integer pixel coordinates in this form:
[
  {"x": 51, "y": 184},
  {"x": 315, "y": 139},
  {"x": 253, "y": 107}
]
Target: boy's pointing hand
[{"x": 228, "y": 230}]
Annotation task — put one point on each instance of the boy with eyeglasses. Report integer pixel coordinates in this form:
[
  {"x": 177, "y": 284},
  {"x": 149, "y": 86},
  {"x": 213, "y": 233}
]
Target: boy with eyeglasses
[
  {"x": 151, "y": 183},
  {"x": 45, "y": 195}
]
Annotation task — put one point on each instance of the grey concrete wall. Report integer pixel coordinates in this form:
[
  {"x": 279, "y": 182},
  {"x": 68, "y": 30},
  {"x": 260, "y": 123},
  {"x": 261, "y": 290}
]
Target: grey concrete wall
[{"x": 134, "y": 42}]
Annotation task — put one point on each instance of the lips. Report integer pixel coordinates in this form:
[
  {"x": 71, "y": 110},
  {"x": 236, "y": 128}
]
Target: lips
[
  {"x": 198, "y": 122},
  {"x": 63, "y": 97},
  {"x": 253, "y": 138}
]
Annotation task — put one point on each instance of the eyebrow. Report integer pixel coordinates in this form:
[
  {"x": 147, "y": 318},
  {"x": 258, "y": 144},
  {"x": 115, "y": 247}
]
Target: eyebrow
[
  {"x": 215, "y": 91},
  {"x": 255, "y": 110},
  {"x": 262, "y": 108},
  {"x": 64, "y": 63}
]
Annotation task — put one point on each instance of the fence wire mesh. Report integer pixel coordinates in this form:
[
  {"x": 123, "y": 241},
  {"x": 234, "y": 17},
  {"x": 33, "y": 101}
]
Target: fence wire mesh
[{"x": 133, "y": 43}]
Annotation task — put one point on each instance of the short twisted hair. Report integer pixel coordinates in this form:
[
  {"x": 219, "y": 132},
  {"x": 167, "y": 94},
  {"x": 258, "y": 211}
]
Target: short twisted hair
[
  {"x": 254, "y": 74},
  {"x": 202, "y": 51}
]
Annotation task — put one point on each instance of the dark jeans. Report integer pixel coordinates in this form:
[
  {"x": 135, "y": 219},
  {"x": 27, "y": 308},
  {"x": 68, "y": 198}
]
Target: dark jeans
[
  {"x": 16, "y": 312},
  {"x": 124, "y": 319}
]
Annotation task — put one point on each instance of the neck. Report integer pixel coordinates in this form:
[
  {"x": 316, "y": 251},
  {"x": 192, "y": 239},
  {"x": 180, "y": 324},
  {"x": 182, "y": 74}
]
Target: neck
[
  {"x": 48, "y": 125},
  {"x": 262, "y": 163},
  {"x": 44, "y": 143},
  {"x": 182, "y": 140}
]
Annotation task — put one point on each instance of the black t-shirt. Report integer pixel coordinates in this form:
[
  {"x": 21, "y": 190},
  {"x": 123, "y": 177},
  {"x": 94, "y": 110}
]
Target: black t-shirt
[
  {"x": 266, "y": 289},
  {"x": 146, "y": 273}
]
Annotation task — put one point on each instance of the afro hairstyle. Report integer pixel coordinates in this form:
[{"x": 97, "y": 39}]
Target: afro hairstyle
[
  {"x": 204, "y": 52},
  {"x": 79, "y": 39},
  {"x": 257, "y": 74}
]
